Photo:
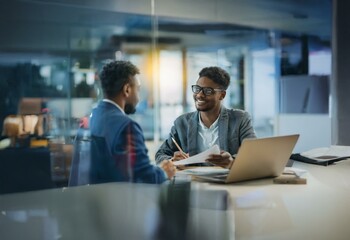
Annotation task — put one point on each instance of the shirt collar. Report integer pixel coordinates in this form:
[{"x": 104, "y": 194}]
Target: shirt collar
[
  {"x": 114, "y": 103},
  {"x": 204, "y": 127}
]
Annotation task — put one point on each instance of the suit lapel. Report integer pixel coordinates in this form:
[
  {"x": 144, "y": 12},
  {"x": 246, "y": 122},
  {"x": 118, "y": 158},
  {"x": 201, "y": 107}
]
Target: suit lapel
[
  {"x": 192, "y": 133},
  {"x": 223, "y": 129}
]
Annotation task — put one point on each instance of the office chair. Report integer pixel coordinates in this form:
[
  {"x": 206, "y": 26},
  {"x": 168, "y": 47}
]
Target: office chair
[
  {"x": 81, "y": 161},
  {"x": 92, "y": 163}
]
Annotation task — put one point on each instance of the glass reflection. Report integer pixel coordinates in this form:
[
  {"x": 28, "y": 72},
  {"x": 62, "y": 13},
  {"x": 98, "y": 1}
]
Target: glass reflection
[
  {"x": 53, "y": 52},
  {"x": 118, "y": 211}
]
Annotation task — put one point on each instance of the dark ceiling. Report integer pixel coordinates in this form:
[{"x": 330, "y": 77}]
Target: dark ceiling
[{"x": 32, "y": 25}]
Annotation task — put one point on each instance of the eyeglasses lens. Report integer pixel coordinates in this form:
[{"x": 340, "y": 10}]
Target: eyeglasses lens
[{"x": 206, "y": 90}]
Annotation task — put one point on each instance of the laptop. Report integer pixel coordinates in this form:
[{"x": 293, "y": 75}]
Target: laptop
[{"x": 258, "y": 158}]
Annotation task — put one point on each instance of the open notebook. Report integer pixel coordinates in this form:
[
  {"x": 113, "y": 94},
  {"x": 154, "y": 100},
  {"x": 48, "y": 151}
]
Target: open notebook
[
  {"x": 257, "y": 158},
  {"x": 323, "y": 156}
]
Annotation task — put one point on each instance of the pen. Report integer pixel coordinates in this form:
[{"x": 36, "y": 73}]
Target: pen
[{"x": 178, "y": 147}]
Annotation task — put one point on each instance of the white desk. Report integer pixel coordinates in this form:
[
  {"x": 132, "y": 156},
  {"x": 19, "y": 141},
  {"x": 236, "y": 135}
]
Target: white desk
[
  {"x": 318, "y": 210},
  {"x": 260, "y": 210},
  {"x": 116, "y": 211}
]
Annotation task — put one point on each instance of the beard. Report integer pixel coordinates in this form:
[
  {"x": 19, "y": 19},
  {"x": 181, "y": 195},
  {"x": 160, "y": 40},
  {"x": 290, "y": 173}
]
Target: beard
[
  {"x": 129, "y": 108},
  {"x": 202, "y": 108}
]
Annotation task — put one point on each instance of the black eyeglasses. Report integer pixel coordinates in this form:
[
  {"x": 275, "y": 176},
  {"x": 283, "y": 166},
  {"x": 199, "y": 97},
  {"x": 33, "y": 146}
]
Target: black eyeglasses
[{"x": 207, "y": 91}]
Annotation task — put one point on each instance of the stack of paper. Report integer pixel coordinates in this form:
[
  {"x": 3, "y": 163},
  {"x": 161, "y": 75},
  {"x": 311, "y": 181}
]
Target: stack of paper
[{"x": 206, "y": 171}]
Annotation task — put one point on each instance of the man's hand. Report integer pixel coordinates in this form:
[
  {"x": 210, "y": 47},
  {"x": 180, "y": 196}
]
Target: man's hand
[
  {"x": 169, "y": 168},
  {"x": 224, "y": 159},
  {"x": 179, "y": 156}
]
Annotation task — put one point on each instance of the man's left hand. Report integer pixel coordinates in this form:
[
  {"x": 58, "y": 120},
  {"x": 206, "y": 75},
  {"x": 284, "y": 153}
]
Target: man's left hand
[{"x": 224, "y": 159}]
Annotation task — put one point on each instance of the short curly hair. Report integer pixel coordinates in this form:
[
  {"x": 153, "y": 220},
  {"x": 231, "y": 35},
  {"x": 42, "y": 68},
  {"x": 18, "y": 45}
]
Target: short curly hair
[
  {"x": 217, "y": 74},
  {"x": 115, "y": 75}
]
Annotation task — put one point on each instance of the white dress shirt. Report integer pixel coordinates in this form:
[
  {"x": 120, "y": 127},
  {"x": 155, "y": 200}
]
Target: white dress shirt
[{"x": 207, "y": 137}]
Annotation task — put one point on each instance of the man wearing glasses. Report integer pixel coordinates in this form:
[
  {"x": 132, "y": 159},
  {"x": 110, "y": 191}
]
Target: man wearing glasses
[{"x": 211, "y": 124}]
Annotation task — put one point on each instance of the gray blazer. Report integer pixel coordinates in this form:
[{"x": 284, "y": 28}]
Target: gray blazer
[{"x": 234, "y": 126}]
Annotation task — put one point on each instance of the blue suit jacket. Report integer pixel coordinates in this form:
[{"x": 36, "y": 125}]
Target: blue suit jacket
[
  {"x": 118, "y": 150},
  {"x": 234, "y": 126}
]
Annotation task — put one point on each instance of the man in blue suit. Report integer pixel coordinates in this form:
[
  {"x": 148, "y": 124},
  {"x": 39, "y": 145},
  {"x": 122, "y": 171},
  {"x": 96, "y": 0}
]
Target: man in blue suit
[{"x": 118, "y": 146}]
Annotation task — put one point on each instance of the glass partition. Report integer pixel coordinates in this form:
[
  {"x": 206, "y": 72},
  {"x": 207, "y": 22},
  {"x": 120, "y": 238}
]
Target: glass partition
[
  {"x": 50, "y": 56},
  {"x": 51, "y": 53}
]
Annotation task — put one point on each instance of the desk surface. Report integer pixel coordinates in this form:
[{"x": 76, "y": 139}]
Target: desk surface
[
  {"x": 117, "y": 211},
  {"x": 317, "y": 210},
  {"x": 259, "y": 210}
]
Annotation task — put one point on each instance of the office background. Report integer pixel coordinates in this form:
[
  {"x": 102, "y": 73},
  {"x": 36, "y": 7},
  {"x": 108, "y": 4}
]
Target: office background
[
  {"x": 278, "y": 55},
  {"x": 289, "y": 64}
]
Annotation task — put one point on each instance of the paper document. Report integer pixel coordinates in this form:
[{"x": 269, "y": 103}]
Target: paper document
[
  {"x": 328, "y": 153},
  {"x": 206, "y": 171},
  {"x": 200, "y": 157}
]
